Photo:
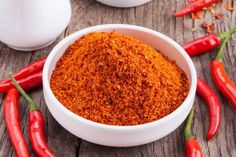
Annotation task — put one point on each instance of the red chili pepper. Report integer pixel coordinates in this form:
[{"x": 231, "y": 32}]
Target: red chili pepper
[
  {"x": 213, "y": 105},
  {"x": 28, "y": 70},
  {"x": 36, "y": 125},
  {"x": 223, "y": 82},
  {"x": 192, "y": 147},
  {"x": 220, "y": 77},
  {"x": 36, "y": 134},
  {"x": 12, "y": 119},
  {"x": 195, "y": 6},
  {"x": 206, "y": 43},
  {"x": 27, "y": 83},
  {"x": 202, "y": 45}
]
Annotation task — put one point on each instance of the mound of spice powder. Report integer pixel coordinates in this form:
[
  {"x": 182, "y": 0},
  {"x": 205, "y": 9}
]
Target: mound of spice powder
[{"x": 117, "y": 80}]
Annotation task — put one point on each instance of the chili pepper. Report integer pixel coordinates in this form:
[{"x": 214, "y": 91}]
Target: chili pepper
[
  {"x": 28, "y": 70},
  {"x": 36, "y": 125},
  {"x": 223, "y": 82},
  {"x": 220, "y": 77},
  {"x": 192, "y": 147},
  {"x": 27, "y": 83},
  {"x": 213, "y": 105},
  {"x": 202, "y": 45},
  {"x": 195, "y": 6},
  {"x": 12, "y": 119},
  {"x": 206, "y": 43}
]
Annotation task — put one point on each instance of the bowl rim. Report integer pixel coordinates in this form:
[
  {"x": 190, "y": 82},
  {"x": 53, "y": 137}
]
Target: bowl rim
[
  {"x": 123, "y": 3},
  {"x": 66, "y": 41}
]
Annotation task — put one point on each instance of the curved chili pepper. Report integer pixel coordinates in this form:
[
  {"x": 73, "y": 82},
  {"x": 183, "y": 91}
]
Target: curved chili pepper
[
  {"x": 195, "y": 6},
  {"x": 36, "y": 134},
  {"x": 213, "y": 105},
  {"x": 220, "y": 77},
  {"x": 223, "y": 82},
  {"x": 202, "y": 45},
  {"x": 27, "y": 83},
  {"x": 36, "y": 125},
  {"x": 192, "y": 147},
  {"x": 28, "y": 70},
  {"x": 12, "y": 119}
]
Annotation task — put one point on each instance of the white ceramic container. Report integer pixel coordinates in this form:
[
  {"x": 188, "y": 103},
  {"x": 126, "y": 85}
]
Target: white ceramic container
[
  {"x": 32, "y": 24},
  {"x": 123, "y": 3},
  {"x": 121, "y": 136}
]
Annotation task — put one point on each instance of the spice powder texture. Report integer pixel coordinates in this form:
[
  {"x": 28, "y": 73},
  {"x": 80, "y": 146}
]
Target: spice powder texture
[{"x": 117, "y": 80}]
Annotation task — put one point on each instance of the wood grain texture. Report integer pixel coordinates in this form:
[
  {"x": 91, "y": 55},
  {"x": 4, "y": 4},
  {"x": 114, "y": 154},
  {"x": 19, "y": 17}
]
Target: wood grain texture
[{"x": 156, "y": 15}]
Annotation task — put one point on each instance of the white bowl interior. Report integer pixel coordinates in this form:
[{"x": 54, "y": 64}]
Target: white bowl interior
[{"x": 116, "y": 135}]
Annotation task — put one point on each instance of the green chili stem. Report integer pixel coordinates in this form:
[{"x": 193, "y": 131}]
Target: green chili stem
[
  {"x": 220, "y": 52},
  {"x": 32, "y": 104},
  {"x": 224, "y": 36},
  {"x": 232, "y": 31},
  {"x": 187, "y": 130}
]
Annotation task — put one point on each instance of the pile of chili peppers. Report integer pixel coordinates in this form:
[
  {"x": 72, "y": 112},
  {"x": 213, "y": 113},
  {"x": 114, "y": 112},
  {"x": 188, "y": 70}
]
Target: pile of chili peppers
[
  {"x": 218, "y": 72},
  {"x": 36, "y": 125},
  {"x": 28, "y": 78},
  {"x": 221, "y": 80}
]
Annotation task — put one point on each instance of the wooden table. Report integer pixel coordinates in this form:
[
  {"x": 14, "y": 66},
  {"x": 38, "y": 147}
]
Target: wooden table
[{"x": 156, "y": 15}]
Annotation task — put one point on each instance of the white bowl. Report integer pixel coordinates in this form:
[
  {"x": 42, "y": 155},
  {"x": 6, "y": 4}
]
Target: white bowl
[
  {"x": 123, "y": 3},
  {"x": 121, "y": 136}
]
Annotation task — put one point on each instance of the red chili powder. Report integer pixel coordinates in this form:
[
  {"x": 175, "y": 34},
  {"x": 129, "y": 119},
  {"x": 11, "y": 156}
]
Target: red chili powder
[{"x": 118, "y": 80}]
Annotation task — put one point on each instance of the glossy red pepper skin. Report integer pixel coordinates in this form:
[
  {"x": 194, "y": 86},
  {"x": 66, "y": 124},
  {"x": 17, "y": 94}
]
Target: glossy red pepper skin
[
  {"x": 213, "y": 105},
  {"x": 202, "y": 45},
  {"x": 36, "y": 124},
  {"x": 27, "y": 83},
  {"x": 31, "y": 69},
  {"x": 195, "y": 6},
  {"x": 223, "y": 82},
  {"x": 36, "y": 134},
  {"x": 12, "y": 119},
  {"x": 192, "y": 148}
]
